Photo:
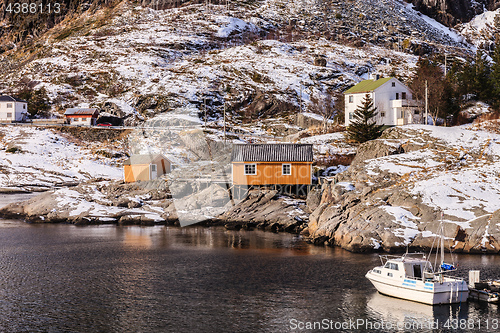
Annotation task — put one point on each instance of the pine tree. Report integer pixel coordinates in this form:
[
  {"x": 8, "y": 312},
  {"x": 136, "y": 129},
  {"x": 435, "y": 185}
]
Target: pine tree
[
  {"x": 495, "y": 75},
  {"x": 481, "y": 87},
  {"x": 363, "y": 127}
]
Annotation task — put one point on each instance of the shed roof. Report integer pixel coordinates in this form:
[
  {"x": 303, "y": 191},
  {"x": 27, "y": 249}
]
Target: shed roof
[
  {"x": 143, "y": 159},
  {"x": 7, "y": 98},
  {"x": 80, "y": 111},
  {"x": 367, "y": 86},
  {"x": 281, "y": 152}
]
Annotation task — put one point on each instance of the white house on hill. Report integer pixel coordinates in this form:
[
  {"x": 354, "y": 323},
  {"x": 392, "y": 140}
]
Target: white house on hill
[
  {"x": 13, "y": 109},
  {"x": 81, "y": 116},
  {"x": 394, "y": 101}
]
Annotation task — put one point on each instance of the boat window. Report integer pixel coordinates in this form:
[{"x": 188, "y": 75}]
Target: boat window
[
  {"x": 389, "y": 274},
  {"x": 391, "y": 265},
  {"x": 417, "y": 271}
]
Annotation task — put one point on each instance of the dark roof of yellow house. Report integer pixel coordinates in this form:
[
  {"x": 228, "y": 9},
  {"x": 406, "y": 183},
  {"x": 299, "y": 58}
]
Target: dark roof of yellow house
[
  {"x": 273, "y": 152},
  {"x": 367, "y": 86}
]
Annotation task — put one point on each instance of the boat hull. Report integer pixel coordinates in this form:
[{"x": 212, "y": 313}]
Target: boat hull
[
  {"x": 447, "y": 292},
  {"x": 481, "y": 295}
]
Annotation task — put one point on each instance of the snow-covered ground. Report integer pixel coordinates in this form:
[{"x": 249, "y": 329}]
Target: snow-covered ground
[
  {"x": 330, "y": 144},
  {"x": 34, "y": 157},
  {"x": 194, "y": 53},
  {"x": 480, "y": 29},
  {"x": 459, "y": 175},
  {"x": 97, "y": 206}
]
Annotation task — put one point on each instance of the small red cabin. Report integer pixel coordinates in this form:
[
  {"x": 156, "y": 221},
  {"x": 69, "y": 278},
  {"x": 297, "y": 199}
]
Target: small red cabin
[{"x": 82, "y": 116}]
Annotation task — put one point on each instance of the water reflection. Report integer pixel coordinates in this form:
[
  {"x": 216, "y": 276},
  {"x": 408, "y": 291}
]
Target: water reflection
[
  {"x": 402, "y": 314},
  {"x": 167, "y": 279},
  {"x": 217, "y": 237},
  {"x": 138, "y": 238}
]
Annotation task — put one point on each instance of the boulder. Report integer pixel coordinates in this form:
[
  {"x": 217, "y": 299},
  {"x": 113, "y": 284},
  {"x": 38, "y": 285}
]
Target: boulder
[
  {"x": 268, "y": 211},
  {"x": 313, "y": 199},
  {"x": 320, "y": 61}
]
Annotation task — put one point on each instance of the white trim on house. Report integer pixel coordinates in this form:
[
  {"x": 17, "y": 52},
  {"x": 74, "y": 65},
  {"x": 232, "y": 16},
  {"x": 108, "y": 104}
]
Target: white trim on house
[
  {"x": 250, "y": 165},
  {"x": 283, "y": 169}
]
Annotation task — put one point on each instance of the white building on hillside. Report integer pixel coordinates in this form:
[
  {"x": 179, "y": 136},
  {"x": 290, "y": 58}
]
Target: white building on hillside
[
  {"x": 13, "y": 109},
  {"x": 394, "y": 101},
  {"x": 81, "y": 116}
]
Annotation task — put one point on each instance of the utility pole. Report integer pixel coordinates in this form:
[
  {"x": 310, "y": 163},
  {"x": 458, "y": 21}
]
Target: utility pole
[
  {"x": 205, "y": 107},
  {"x": 445, "y": 64},
  {"x": 300, "y": 98},
  {"x": 224, "y": 121},
  {"x": 426, "y": 103}
]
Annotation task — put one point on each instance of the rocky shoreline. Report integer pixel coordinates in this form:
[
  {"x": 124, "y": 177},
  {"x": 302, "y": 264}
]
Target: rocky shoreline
[
  {"x": 317, "y": 221},
  {"x": 390, "y": 198}
]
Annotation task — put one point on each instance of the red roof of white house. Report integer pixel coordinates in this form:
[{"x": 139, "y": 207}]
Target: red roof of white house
[{"x": 80, "y": 111}]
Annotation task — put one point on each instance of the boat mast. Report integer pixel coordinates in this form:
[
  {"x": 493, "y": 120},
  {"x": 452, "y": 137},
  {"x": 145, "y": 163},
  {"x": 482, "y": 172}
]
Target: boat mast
[{"x": 442, "y": 239}]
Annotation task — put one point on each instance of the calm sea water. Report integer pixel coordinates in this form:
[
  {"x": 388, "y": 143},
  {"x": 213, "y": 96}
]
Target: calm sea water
[{"x": 64, "y": 278}]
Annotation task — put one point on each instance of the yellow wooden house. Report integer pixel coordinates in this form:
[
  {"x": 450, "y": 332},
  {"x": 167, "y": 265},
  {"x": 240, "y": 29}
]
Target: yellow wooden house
[
  {"x": 145, "y": 167},
  {"x": 272, "y": 164}
]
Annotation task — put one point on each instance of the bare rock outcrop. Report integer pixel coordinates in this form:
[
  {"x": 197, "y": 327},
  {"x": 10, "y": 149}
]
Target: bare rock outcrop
[
  {"x": 267, "y": 210},
  {"x": 392, "y": 196},
  {"x": 97, "y": 203},
  {"x": 452, "y": 12}
]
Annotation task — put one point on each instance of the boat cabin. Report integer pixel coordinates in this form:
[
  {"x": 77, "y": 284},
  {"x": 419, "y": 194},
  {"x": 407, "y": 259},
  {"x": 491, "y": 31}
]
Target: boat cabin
[{"x": 407, "y": 267}]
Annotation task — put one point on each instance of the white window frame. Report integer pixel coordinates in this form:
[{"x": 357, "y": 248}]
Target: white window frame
[
  {"x": 351, "y": 98},
  {"x": 283, "y": 169},
  {"x": 250, "y": 165},
  {"x": 9, "y": 106},
  {"x": 153, "y": 167},
  {"x": 9, "y": 114}
]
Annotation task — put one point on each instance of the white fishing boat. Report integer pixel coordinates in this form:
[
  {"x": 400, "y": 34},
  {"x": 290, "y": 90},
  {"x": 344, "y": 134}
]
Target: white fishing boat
[{"x": 412, "y": 277}]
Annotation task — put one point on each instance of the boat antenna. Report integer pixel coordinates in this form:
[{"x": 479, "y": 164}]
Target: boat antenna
[
  {"x": 442, "y": 238},
  {"x": 430, "y": 251}
]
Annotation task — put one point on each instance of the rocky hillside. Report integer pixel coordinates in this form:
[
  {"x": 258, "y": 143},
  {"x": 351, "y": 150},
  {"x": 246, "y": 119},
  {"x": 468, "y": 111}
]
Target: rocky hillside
[
  {"x": 480, "y": 31},
  {"x": 258, "y": 57},
  {"x": 452, "y": 12},
  {"x": 392, "y": 195}
]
